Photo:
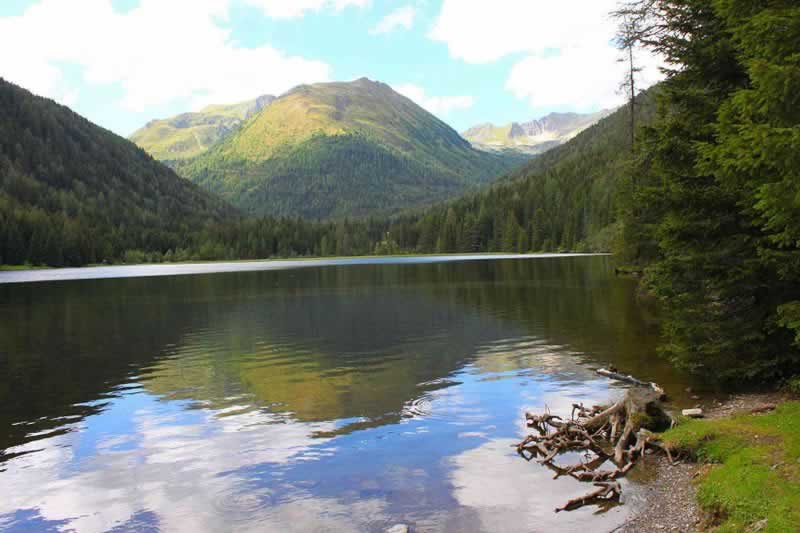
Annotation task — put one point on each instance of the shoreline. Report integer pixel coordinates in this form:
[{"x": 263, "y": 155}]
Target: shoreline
[
  {"x": 250, "y": 265},
  {"x": 670, "y": 498}
]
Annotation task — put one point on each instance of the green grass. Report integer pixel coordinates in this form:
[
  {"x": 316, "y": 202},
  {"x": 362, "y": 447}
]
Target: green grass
[{"x": 756, "y": 468}]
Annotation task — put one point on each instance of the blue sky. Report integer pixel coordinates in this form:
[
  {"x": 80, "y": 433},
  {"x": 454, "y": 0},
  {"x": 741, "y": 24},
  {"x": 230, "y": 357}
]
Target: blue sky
[{"x": 122, "y": 63}]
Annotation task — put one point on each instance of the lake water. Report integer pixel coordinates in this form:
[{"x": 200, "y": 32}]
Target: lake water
[{"x": 334, "y": 397}]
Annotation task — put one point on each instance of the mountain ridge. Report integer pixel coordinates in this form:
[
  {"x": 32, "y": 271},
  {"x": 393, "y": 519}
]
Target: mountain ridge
[
  {"x": 535, "y": 136},
  {"x": 330, "y": 150},
  {"x": 188, "y": 135}
]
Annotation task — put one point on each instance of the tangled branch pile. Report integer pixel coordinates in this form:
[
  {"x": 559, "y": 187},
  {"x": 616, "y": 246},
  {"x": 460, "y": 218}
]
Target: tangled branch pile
[{"x": 618, "y": 435}]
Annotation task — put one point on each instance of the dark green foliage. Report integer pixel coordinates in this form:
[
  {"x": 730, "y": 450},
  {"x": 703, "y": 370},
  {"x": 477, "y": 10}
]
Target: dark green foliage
[
  {"x": 72, "y": 193},
  {"x": 715, "y": 211},
  {"x": 758, "y": 150}
]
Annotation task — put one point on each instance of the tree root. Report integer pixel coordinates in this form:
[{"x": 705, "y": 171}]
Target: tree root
[{"x": 613, "y": 434}]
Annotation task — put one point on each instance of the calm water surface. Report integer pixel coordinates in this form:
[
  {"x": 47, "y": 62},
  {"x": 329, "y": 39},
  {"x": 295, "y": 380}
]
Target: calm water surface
[{"x": 328, "y": 398}]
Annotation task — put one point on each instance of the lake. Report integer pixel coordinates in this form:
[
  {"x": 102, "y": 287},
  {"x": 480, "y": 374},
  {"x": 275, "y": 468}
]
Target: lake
[{"x": 340, "y": 396}]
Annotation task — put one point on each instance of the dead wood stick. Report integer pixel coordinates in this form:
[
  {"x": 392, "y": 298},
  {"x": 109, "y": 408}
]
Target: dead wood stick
[
  {"x": 615, "y": 420},
  {"x": 608, "y": 490},
  {"x": 627, "y": 431},
  {"x": 600, "y": 418},
  {"x": 630, "y": 379}
]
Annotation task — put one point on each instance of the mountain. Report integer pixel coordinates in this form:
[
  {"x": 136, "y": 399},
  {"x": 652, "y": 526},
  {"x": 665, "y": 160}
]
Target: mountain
[
  {"x": 190, "y": 134},
  {"x": 567, "y": 198},
  {"x": 534, "y": 137},
  {"x": 73, "y": 193},
  {"x": 341, "y": 149}
]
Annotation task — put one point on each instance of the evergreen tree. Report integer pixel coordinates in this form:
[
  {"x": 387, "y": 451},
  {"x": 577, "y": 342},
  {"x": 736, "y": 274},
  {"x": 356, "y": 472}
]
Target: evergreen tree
[{"x": 705, "y": 178}]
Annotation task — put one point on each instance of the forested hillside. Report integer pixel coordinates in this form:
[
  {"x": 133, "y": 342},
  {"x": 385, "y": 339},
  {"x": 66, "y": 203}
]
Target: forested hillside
[
  {"x": 714, "y": 212},
  {"x": 73, "y": 193},
  {"x": 334, "y": 150},
  {"x": 565, "y": 199}
]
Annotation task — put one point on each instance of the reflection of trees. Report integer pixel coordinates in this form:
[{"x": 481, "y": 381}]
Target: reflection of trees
[
  {"x": 578, "y": 303},
  {"x": 322, "y": 343},
  {"x": 326, "y": 354},
  {"x": 66, "y": 345}
]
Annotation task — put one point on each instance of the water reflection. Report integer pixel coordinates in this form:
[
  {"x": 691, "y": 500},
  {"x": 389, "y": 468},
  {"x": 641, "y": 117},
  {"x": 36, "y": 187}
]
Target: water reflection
[{"x": 336, "y": 398}]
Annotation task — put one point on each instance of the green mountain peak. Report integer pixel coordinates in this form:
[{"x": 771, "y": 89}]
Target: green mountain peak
[{"x": 342, "y": 149}]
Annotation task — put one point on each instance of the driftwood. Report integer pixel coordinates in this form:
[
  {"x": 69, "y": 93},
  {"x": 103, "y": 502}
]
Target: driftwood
[
  {"x": 609, "y": 490},
  {"x": 613, "y": 374},
  {"x": 615, "y": 435}
]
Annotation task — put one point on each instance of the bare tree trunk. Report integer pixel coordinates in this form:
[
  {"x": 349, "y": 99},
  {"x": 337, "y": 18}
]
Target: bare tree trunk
[{"x": 632, "y": 87}]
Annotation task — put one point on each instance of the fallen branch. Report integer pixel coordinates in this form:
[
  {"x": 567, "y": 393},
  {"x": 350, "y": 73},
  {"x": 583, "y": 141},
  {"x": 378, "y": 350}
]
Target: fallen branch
[
  {"x": 613, "y": 374},
  {"x": 609, "y": 490}
]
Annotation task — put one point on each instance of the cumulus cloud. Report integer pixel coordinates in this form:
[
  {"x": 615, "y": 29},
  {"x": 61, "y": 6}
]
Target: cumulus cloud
[
  {"x": 402, "y": 17},
  {"x": 584, "y": 78},
  {"x": 287, "y": 9},
  {"x": 568, "y": 58},
  {"x": 438, "y": 105},
  {"x": 156, "y": 53},
  {"x": 193, "y": 477}
]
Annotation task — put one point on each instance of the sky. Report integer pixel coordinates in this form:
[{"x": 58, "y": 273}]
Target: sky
[{"x": 122, "y": 63}]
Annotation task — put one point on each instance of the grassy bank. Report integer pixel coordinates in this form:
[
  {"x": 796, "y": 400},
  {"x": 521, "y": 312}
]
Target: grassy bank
[{"x": 753, "y": 479}]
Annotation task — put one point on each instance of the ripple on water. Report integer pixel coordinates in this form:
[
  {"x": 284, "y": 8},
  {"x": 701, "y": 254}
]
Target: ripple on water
[
  {"x": 239, "y": 506},
  {"x": 421, "y": 407}
]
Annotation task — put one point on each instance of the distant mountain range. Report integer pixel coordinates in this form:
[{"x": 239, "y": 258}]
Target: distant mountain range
[
  {"x": 324, "y": 150},
  {"x": 190, "y": 134},
  {"x": 534, "y": 137}
]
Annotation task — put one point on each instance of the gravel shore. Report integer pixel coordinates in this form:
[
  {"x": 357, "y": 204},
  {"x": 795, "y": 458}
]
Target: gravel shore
[{"x": 669, "y": 499}]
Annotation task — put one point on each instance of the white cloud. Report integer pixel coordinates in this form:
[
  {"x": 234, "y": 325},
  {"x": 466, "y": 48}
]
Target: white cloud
[
  {"x": 157, "y": 53},
  {"x": 287, "y": 9},
  {"x": 568, "y": 57},
  {"x": 194, "y": 477},
  {"x": 402, "y": 17},
  {"x": 438, "y": 105},
  {"x": 583, "y": 78}
]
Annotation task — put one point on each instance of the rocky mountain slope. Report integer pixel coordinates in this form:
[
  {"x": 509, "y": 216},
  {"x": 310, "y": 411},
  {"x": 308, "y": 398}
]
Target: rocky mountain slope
[{"x": 534, "y": 137}]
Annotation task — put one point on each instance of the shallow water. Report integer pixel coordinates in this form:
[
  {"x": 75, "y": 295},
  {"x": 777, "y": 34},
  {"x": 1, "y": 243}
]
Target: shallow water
[{"x": 332, "y": 397}]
